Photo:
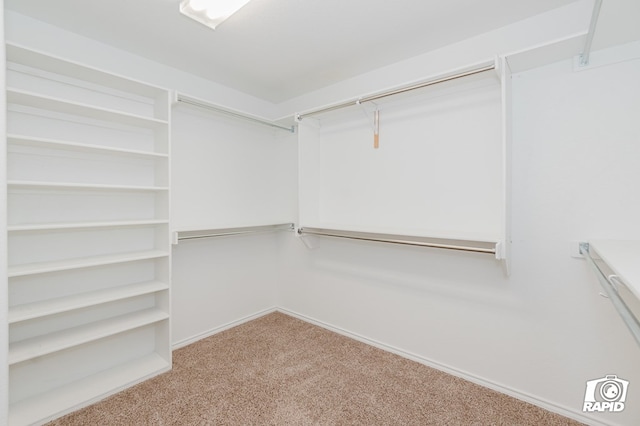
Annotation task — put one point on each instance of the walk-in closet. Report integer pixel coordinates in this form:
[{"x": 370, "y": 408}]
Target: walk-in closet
[{"x": 452, "y": 183}]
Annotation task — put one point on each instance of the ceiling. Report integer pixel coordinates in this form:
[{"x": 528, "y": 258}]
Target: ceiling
[{"x": 280, "y": 49}]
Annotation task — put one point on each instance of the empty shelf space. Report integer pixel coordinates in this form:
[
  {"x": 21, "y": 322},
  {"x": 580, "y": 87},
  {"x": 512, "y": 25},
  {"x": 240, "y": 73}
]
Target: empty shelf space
[
  {"x": 84, "y": 225},
  {"x": 38, "y": 346},
  {"x": 64, "y": 304},
  {"x": 89, "y": 253},
  {"x": 78, "y": 147},
  {"x": 64, "y": 399},
  {"x": 44, "y": 61},
  {"x": 35, "y": 100},
  {"x": 62, "y": 265},
  {"x": 90, "y": 186}
]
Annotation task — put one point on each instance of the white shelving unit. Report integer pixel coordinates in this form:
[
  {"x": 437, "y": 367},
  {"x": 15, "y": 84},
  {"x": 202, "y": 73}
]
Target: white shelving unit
[
  {"x": 88, "y": 231},
  {"x": 416, "y": 183}
]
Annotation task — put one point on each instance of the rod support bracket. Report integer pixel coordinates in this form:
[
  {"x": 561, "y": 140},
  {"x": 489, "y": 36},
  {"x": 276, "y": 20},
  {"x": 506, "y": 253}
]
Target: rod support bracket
[{"x": 583, "y": 248}]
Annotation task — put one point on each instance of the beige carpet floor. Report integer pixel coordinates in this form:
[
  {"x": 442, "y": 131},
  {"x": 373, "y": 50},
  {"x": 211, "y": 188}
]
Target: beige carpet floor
[{"x": 278, "y": 370}]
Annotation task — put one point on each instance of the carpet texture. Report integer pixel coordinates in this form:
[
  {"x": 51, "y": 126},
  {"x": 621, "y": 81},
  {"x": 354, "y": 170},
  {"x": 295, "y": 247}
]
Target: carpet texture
[{"x": 278, "y": 370}]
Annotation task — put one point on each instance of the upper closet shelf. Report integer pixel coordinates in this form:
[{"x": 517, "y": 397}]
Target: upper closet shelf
[
  {"x": 35, "y": 100},
  {"x": 44, "y": 61}
]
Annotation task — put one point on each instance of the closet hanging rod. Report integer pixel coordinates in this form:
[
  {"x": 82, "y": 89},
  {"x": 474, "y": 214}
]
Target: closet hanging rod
[
  {"x": 398, "y": 91},
  {"x": 442, "y": 243},
  {"x": 584, "y": 56},
  {"x": 612, "y": 294},
  {"x": 223, "y": 232},
  {"x": 205, "y": 105}
]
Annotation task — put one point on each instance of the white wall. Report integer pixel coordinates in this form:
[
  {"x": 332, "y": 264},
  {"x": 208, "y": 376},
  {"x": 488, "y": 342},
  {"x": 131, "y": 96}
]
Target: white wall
[
  {"x": 219, "y": 281},
  {"x": 226, "y": 173},
  {"x": 544, "y": 331}
]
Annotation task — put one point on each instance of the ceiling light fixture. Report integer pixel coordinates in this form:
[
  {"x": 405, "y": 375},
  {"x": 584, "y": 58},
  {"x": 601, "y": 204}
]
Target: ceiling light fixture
[{"x": 210, "y": 12}]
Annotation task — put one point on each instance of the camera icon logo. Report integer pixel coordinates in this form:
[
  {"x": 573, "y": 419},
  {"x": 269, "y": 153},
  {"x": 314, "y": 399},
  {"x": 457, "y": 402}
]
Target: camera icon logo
[{"x": 606, "y": 394}]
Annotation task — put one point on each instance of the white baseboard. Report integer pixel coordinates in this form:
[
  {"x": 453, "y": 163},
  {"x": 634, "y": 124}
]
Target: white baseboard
[
  {"x": 216, "y": 330},
  {"x": 549, "y": 406}
]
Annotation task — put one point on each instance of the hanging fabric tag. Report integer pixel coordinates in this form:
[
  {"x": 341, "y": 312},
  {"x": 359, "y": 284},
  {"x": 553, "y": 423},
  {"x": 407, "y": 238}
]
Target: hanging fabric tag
[{"x": 376, "y": 129}]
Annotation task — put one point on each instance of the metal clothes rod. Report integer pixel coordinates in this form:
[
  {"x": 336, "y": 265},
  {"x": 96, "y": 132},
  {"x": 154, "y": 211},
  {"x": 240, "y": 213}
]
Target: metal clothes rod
[
  {"x": 209, "y": 233},
  {"x": 462, "y": 245},
  {"x": 201, "y": 104},
  {"x": 584, "y": 56},
  {"x": 398, "y": 91},
  {"x": 612, "y": 293}
]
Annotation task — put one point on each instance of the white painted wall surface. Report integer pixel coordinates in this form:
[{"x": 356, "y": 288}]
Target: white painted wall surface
[
  {"x": 440, "y": 146},
  {"x": 227, "y": 172},
  {"x": 219, "y": 281},
  {"x": 544, "y": 331}
]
